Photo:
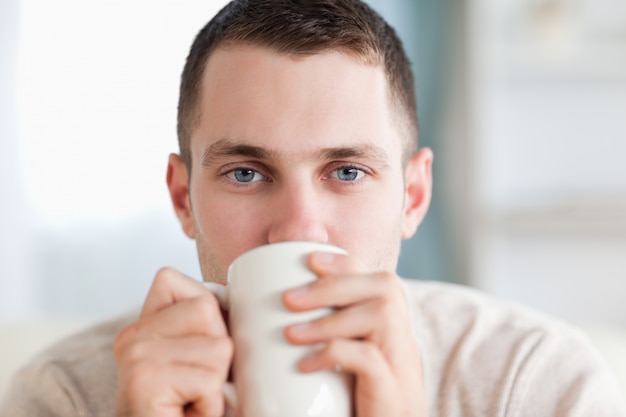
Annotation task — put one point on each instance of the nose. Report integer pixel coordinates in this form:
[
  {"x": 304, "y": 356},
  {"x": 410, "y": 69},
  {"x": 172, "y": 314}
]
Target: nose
[{"x": 298, "y": 214}]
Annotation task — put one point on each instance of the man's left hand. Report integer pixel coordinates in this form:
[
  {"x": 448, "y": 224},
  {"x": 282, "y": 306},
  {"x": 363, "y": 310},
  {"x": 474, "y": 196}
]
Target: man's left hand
[{"x": 369, "y": 334}]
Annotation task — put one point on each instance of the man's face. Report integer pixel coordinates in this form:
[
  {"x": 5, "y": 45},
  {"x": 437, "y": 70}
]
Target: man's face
[{"x": 294, "y": 148}]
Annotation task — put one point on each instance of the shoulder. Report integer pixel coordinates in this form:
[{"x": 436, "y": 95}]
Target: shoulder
[
  {"x": 84, "y": 355},
  {"x": 75, "y": 376},
  {"x": 481, "y": 345},
  {"x": 451, "y": 310}
]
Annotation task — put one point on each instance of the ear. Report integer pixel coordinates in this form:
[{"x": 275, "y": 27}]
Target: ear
[
  {"x": 178, "y": 184},
  {"x": 418, "y": 182}
]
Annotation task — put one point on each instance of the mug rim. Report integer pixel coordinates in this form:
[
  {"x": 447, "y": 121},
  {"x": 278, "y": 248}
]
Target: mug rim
[{"x": 322, "y": 245}]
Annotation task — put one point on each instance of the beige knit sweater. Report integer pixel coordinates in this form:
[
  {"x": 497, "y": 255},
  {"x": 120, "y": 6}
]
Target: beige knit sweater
[{"x": 482, "y": 358}]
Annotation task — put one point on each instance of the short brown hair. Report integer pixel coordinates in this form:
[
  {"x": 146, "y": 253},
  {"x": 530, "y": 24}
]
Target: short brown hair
[{"x": 301, "y": 27}]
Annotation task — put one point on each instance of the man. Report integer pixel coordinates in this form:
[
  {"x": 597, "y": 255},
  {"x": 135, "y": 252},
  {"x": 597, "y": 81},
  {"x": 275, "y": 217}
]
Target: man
[{"x": 297, "y": 121}]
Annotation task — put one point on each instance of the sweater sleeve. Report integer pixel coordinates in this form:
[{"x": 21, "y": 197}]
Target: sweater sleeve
[
  {"x": 42, "y": 390},
  {"x": 75, "y": 377},
  {"x": 565, "y": 376},
  {"x": 484, "y": 357}
]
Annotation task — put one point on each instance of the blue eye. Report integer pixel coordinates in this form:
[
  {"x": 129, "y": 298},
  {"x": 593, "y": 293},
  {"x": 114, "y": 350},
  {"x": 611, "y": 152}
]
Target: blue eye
[
  {"x": 348, "y": 173},
  {"x": 245, "y": 175}
]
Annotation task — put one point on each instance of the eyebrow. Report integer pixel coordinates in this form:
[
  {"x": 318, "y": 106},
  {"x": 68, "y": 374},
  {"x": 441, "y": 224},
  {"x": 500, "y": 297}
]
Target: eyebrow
[
  {"x": 227, "y": 147},
  {"x": 365, "y": 151}
]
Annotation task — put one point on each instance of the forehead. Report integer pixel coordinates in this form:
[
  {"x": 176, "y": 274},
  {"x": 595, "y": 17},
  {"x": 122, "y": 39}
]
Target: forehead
[{"x": 293, "y": 103}]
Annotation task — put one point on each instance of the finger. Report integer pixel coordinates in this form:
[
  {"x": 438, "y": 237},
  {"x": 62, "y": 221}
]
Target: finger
[
  {"x": 199, "y": 316},
  {"x": 373, "y": 321},
  {"x": 359, "y": 321},
  {"x": 213, "y": 354},
  {"x": 344, "y": 290},
  {"x": 195, "y": 317},
  {"x": 169, "y": 287},
  {"x": 154, "y": 389},
  {"x": 360, "y": 358},
  {"x": 326, "y": 263},
  {"x": 378, "y": 387}
]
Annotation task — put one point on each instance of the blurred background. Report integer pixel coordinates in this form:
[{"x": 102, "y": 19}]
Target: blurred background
[{"x": 523, "y": 102}]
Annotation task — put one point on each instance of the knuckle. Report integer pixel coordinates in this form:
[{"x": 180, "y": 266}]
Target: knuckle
[
  {"x": 388, "y": 279},
  {"x": 123, "y": 338},
  {"x": 165, "y": 272},
  {"x": 391, "y": 287},
  {"x": 369, "y": 352},
  {"x": 225, "y": 349},
  {"x": 325, "y": 325},
  {"x": 333, "y": 350},
  {"x": 164, "y": 276},
  {"x": 207, "y": 317},
  {"x": 137, "y": 352},
  {"x": 215, "y": 407},
  {"x": 206, "y": 307},
  {"x": 325, "y": 287},
  {"x": 214, "y": 402},
  {"x": 214, "y": 384},
  {"x": 140, "y": 375},
  {"x": 222, "y": 351},
  {"x": 384, "y": 307},
  {"x": 212, "y": 398}
]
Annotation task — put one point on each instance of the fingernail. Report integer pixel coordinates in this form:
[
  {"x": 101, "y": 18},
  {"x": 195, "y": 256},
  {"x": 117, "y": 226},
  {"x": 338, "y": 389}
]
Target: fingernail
[
  {"x": 299, "y": 329},
  {"x": 298, "y": 292},
  {"x": 323, "y": 257},
  {"x": 308, "y": 363}
]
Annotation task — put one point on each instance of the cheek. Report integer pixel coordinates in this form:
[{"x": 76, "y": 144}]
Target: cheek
[
  {"x": 222, "y": 221},
  {"x": 369, "y": 227},
  {"x": 226, "y": 228}
]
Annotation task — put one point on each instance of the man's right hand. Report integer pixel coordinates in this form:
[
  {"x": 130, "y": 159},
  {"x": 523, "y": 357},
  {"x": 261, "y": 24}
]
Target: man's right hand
[{"x": 175, "y": 359}]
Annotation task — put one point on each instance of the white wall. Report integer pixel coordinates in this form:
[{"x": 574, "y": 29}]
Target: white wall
[
  {"x": 14, "y": 287},
  {"x": 88, "y": 118},
  {"x": 92, "y": 88},
  {"x": 547, "y": 196}
]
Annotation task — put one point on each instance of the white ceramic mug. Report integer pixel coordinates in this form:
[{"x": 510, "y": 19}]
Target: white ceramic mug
[{"x": 266, "y": 380}]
